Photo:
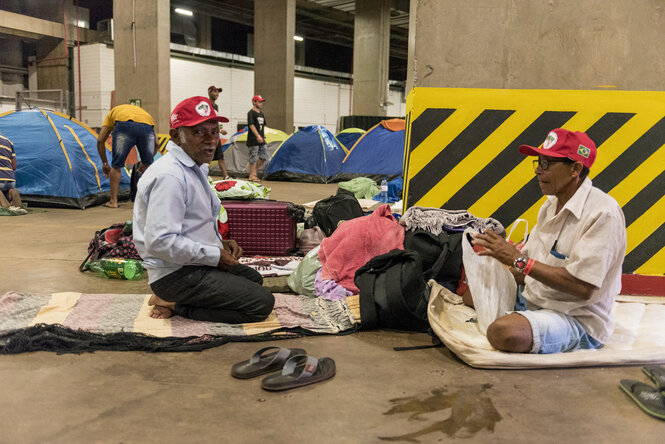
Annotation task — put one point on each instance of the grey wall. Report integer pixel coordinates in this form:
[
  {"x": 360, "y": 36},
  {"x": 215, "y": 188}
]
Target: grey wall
[{"x": 557, "y": 44}]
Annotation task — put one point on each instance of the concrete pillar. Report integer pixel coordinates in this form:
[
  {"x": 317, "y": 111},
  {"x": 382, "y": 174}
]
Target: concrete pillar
[
  {"x": 11, "y": 56},
  {"x": 527, "y": 44},
  {"x": 142, "y": 57},
  {"x": 53, "y": 65},
  {"x": 203, "y": 31},
  {"x": 274, "y": 47},
  {"x": 371, "y": 51}
]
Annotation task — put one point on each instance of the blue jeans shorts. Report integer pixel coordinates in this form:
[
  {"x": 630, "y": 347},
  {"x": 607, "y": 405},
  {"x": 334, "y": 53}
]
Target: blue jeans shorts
[
  {"x": 554, "y": 332},
  {"x": 128, "y": 134},
  {"x": 256, "y": 152}
]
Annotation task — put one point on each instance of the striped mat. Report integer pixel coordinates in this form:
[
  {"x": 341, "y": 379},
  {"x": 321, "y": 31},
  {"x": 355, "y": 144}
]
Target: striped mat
[{"x": 106, "y": 314}]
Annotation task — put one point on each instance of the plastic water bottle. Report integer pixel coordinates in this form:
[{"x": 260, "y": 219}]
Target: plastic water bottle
[
  {"x": 117, "y": 268},
  {"x": 383, "y": 195}
]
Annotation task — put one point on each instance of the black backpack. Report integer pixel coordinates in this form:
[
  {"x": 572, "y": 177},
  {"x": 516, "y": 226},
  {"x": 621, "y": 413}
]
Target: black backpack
[
  {"x": 329, "y": 212},
  {"x": 441, "y": 255},
  {"x": 393, "y": 293}
]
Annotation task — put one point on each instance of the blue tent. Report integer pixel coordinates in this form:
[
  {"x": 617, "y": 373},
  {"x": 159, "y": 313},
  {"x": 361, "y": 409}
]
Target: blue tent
[
  {"x": 57, "y": 160},
  {"x": 309, "y": 155},
  {"x": 378, "y": 153},
  {"x": 349, "y": 136}
]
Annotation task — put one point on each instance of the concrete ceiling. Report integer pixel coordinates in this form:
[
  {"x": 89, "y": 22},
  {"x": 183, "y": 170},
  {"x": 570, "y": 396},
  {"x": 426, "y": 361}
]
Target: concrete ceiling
[{"x": 329, "y": 21}]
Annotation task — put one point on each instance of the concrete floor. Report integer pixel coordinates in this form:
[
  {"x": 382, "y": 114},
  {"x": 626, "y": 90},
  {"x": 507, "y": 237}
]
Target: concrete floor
[{"x": 378, "y": 393}]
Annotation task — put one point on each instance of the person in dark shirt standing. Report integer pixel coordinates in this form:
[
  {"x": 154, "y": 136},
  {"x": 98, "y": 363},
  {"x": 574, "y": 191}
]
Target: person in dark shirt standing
[{"x": 256, "y": 141}]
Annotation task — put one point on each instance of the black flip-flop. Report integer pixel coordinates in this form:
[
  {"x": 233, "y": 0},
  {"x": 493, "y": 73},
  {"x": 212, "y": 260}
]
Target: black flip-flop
[
  {"x": 298, "y": 371},
  {"x": 266, "y": 360},
  {"x": 657, "y": 375},
  {"x": 647, "y": 397}
]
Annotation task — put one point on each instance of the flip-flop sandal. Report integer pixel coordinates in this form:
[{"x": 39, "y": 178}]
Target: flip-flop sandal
[
  {"x": 647, "y": 397},
  {"x": 298, "y": 371},
  {"x": 266, "y": 360},
  {"x": 657, "y": 375}
]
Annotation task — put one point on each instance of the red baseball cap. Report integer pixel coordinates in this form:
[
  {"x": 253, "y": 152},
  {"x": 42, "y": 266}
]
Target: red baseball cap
[
  {"x": 574, "y": 145},
  {"x": 259, "y": 98},
  {"x": 192, "y": 111},
  {"x": 213, "y": 88}
]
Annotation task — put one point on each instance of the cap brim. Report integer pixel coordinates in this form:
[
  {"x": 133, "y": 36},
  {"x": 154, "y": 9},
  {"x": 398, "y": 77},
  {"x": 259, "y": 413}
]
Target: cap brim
[
  {"x": 221, "y": 119},
  {"x": 533, "y": 151}
]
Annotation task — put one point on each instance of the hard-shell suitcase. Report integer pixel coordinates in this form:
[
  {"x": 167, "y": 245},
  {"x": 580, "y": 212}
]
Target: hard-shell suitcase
[{"x": 260, "y": 227}]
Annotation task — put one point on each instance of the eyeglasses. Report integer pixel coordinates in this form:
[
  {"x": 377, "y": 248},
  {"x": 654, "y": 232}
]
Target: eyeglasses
[{"x": 545, "y": 163}]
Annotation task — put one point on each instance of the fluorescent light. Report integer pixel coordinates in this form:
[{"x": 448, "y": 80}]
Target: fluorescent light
[
  {"x": 298, "y": 38},
  {"x": 184, "y": 11}
]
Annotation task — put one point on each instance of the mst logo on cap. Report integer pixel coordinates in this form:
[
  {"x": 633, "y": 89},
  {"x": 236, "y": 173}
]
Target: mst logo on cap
[
  {"x": 203, "y": 108},
  {"x": 550, "y": 141}
]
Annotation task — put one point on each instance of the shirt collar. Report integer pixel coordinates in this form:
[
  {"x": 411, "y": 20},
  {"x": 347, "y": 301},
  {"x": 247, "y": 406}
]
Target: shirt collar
[
  {"x": 181, "y": 155},
  {"x": 575, "y": 204}
]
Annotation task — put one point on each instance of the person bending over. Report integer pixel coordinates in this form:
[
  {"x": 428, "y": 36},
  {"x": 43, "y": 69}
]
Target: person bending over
[
  {"x": 191, "y": 270},
  {"x": 130, "y": 126},
  {"x": 570, "y": 267}
]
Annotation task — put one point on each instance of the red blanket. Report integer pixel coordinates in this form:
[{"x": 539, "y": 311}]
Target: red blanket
[{"x": 355, "y": 242}]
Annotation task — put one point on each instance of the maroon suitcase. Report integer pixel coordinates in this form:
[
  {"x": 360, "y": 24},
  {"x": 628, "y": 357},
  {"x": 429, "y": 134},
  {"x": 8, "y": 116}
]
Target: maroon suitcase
[{"x": 260, "y": 227}]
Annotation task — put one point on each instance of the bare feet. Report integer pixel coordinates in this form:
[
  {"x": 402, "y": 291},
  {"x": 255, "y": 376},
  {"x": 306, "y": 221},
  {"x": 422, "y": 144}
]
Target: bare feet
[
  {"x": 162, "y": 309},
  {"x": 159, "y": 312},
  {"x": 110, "y": 205}
]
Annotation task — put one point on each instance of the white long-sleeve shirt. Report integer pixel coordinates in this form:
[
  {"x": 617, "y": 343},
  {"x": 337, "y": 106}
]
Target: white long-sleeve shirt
[{"x": 175, "y": 215}]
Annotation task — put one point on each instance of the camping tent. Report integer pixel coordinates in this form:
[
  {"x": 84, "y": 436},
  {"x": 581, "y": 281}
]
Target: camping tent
[
  {"x": 57, "y": 160},
  {"x": 378, "y": 153},
  {"x": 236, "y": 153},
  {"x": 349, "y": 136},
  {"x": 309, "y": 155}
]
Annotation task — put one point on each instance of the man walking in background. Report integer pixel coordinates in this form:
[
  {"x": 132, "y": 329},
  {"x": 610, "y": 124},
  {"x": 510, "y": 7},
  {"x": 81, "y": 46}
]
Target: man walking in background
[
  {"x": 256, "y": 141},
  {"x": 130, "y": 125},
  {"x": 213, "y": 95}
]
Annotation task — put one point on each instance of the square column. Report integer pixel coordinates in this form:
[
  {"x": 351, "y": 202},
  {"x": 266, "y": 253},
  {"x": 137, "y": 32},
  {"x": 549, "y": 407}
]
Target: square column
[
  {"x": 274, "y": 48},
  {"x": 371, "y": 51},
  {"x": 142, "y": 57}
]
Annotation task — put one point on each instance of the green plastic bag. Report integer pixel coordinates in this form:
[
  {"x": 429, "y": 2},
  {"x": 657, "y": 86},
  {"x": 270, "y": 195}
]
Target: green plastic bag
[
  {"x": 301, "y": 281},
  {"x": 361, "y": 187}
]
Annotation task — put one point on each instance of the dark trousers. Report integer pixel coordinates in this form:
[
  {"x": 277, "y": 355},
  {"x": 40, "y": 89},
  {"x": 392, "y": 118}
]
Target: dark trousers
[{"x": 208, "y": 294}]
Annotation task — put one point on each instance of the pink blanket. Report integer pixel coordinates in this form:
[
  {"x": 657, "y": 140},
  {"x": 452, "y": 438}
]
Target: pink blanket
[{"x": 355, "y": 242}]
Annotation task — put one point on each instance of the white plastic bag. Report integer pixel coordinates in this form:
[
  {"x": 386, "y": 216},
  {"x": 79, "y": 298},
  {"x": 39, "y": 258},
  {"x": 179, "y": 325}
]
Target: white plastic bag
[
  {"x": 492, "y": 286},
  {"x": 521, "y": 243}
]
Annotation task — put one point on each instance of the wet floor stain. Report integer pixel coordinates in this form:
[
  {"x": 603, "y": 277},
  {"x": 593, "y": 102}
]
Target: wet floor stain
[{"x": 471, "y": 410}]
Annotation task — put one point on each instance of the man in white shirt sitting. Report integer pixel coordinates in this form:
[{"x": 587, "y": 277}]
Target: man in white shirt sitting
[{"x": 572, "y": 262}]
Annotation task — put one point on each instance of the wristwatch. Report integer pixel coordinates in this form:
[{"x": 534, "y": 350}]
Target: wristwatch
[{"x": 520, "y": 263}]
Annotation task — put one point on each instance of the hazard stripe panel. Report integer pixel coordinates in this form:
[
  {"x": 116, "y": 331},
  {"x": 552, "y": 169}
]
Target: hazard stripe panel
[{"x": 462, "y": 153}]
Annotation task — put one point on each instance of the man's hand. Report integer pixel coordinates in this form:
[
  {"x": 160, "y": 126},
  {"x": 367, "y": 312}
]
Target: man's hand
[
  {"x": 226, "y": 260},
  {"x": 260, "y": 139},
  {"x": 496, "y": 246},
  {"x": 106, "y": 169},
  {"x": 232, "y": 247}
]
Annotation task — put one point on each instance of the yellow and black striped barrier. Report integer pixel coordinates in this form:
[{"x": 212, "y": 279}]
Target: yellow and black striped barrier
[
  {"x": 462, "y": 153},
  {"x": 162, "y": 140}
]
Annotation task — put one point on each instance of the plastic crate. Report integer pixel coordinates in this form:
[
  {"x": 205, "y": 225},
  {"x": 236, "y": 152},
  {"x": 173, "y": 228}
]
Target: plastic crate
[{"x": 261, "y": 228}]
